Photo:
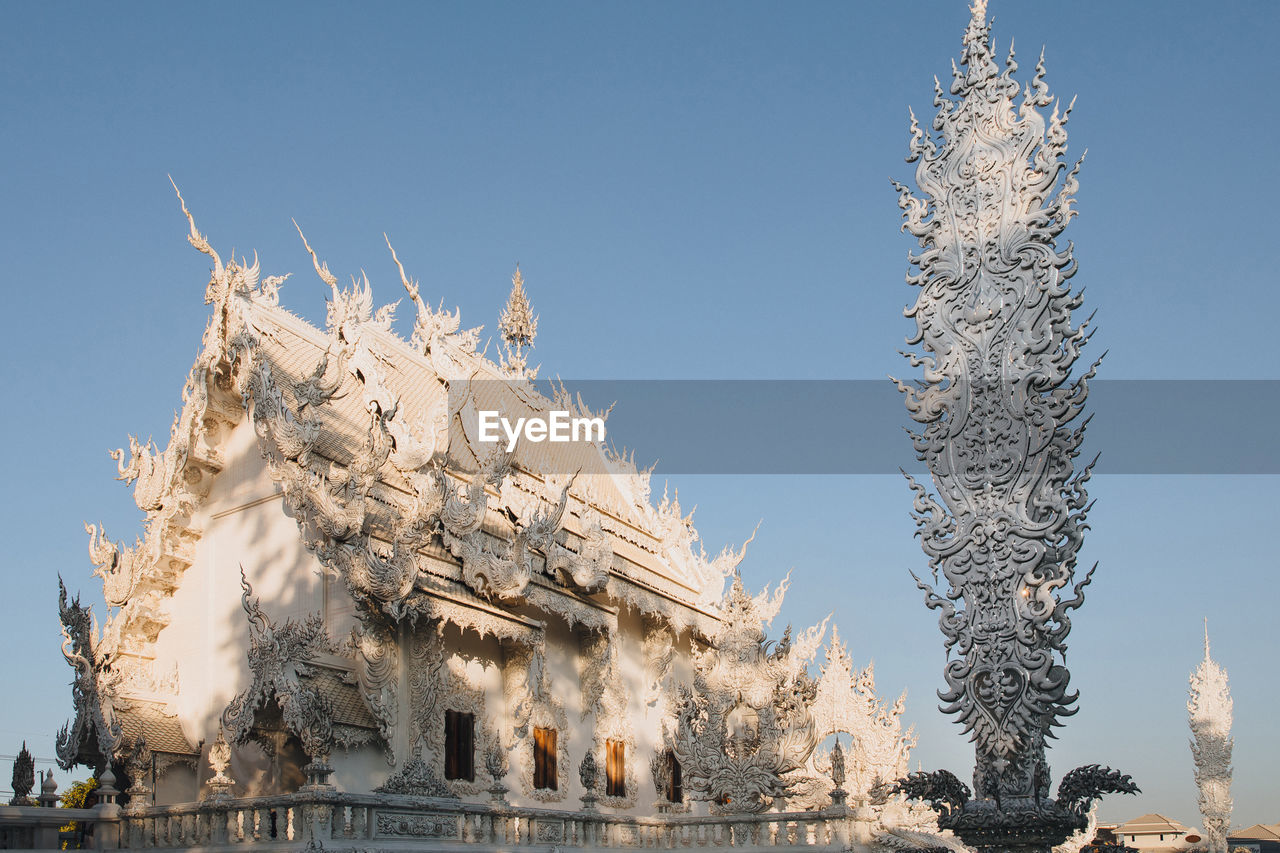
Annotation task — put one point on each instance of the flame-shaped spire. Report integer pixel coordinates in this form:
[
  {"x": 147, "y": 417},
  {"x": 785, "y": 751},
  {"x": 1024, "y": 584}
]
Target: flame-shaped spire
[
  {"x": 999, "y": 416},
  {"x": 519, "y": 327},
  {"x": 1209, "y": 708}
]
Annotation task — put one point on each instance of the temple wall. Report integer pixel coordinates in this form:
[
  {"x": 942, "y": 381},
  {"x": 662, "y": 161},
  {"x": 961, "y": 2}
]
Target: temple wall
[{"x": 244, "y": 525}]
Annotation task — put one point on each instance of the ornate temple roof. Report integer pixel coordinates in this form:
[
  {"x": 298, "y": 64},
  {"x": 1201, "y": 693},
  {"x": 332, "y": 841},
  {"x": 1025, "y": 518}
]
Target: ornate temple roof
[{"x": 371, "y": 439}]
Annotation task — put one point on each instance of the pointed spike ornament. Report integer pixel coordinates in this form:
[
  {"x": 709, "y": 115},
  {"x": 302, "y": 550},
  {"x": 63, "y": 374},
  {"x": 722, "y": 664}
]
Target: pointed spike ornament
[
  {"x": 519, "y": 327},
  {"x": 998, "y": 412},
  {"x": 1209, "y": 708}
]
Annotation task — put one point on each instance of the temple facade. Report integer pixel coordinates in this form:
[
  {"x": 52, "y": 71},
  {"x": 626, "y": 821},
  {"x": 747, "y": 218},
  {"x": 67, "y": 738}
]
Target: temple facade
[{"x": 341, "y": 587}]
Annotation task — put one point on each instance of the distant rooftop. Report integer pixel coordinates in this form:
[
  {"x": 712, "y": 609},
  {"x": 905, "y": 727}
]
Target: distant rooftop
[
  {"x": 1261, "y": 831},
  {"x": 1150, "y": 823}
]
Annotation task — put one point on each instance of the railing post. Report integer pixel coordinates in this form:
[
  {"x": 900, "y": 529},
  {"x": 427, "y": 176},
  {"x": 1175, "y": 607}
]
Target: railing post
[
  {"x": 864, "y": 819},
  {"x": 313, "y": 822},
  {"x": 218, "y": 826},
  {"x": 106, "y": 825}
]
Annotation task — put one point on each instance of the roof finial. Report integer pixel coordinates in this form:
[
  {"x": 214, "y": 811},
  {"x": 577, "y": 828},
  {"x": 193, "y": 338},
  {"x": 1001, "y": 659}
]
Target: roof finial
[
  {"x": 1206, "y": 638},
  {"x": 977, "y": 47},
  {"x": 519, "y": 327}
]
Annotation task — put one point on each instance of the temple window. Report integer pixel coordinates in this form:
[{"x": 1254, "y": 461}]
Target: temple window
[
  {"x": 459, "y": 745},
  {"x": 675, "y": 786},
  {"x": 615, "y": 769},
  {"x": 544, "y": 759}
]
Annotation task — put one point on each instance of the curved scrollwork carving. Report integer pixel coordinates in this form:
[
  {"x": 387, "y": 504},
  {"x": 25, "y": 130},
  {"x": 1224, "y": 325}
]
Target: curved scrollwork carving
[
  {"x": 940, "y": 789},
  {"x": 1080, "y": 788},
  {"x": 998, "y": 408},
  {"x": 278, "y": 655},
  {"x": 746, "y": 723}
]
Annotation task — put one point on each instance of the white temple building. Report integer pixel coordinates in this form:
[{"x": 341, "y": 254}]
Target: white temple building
[{"x": 342, "y": 589}]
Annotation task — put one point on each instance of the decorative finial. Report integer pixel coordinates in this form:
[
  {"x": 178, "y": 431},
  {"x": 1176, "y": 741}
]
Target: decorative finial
[
  {"x": 519, "y": 327},
  {"x": 1206, "y": 638},
  {"x": 24, "y": 777}
]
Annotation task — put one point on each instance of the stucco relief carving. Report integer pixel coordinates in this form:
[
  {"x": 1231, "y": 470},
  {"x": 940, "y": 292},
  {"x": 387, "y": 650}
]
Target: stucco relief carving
[
  {"x": 377, "y": 657},
  {"x": 439, "y": 681},
  {"x": 278, "y": 656},
  {"x": 594, "y": 662},
  {"x": 744, "y": 728},
  {"x": 604, "y": 695},
  {"x": 532, "y": 706},
  {"x": 659, "y": 649},
  {"x": 419, "y": 825},
  {"x": 877, "y": 749}
]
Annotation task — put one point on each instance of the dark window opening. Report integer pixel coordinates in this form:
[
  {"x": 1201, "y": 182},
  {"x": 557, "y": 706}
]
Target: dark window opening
[
  {"x": 675, "y": 786},
  {"x": 544, "y": 759},
  {"x": 459, "y": 745},
  {"x": 615, "y": 776}
]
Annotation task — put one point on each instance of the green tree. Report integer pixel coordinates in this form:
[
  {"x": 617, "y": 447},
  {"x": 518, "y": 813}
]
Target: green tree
[{"x": 75, "y": 797}]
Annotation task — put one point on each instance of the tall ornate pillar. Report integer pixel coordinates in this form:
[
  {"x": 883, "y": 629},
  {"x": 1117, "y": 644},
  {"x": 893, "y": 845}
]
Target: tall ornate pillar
[{"x": 999, "y": 416}]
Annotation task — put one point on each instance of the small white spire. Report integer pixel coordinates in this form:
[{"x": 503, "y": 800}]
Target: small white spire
[{"x": 519, "y": 327}]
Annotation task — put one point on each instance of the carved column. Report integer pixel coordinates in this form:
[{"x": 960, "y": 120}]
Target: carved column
[{"x": 999, "y": 415}]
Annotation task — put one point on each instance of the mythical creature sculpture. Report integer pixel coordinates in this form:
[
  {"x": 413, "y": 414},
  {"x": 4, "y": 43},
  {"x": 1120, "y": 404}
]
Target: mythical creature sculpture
[
  {"x": 996, "y": 410},
  {"x": 278, "y": 655},
  {"x": 746, "y": 724},
  {"x": 1209, "y": 713},
  {"x": 117, "y": 566},
  {"x": 94, "y": 733},
  {"x": 430, "y": 326}
]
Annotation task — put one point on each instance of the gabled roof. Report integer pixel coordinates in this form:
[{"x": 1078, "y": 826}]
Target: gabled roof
[
  {"x": 1259, "y": 831},
  {"x": 1149, "y": 824}
]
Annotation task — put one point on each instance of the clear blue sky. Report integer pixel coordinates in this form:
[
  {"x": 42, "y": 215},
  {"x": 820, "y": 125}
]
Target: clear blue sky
[{"x": 692, "y": 190}]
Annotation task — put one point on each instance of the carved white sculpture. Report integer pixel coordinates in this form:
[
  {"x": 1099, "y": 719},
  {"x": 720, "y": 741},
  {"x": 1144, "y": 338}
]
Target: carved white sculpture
[
  {"x": 745, "y": 728},
  {"x": 1209, "y": 709},
  {"x": 519, "y": 327},
  {"x": 846, "y": 704}
]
